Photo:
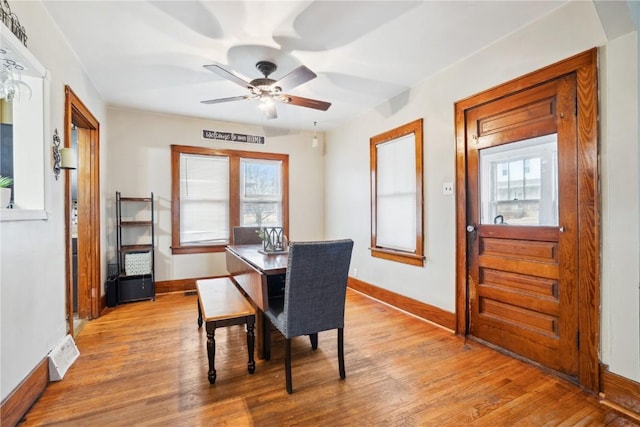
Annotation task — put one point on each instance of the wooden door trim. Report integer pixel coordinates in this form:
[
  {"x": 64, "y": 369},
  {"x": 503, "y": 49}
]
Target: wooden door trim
[
  {"x": 584, "y": 65},
  {"x": 88, "y": 293}
]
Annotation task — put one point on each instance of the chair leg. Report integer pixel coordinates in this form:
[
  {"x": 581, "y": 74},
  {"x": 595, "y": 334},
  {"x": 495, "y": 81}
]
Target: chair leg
[
  {"x": 314, "y": 340},
  {"x": 341, "y": 352},
  {"x": 287, "y": 364}
]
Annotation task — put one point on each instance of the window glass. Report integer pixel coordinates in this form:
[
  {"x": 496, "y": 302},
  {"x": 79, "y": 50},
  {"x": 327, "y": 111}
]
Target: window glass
[
  {"x": 260, "y": 192},
  {"x": 519, "y": 182},
  {"x": 396, "y": 207}
]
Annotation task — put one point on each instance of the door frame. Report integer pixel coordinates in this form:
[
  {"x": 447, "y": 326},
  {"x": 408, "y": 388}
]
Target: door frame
[
  {"x": 584, "y": 65},
  {"x": 89, "y": 295}
]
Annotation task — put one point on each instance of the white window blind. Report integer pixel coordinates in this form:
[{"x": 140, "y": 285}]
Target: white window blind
[
  {"x": 204, "y": 199},
  {"x": 396, "y": 194}
]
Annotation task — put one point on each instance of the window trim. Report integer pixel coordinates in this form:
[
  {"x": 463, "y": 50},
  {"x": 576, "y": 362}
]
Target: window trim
[
  {"x": 234, "y": 191},
  {"x": 413, "y": 258}
]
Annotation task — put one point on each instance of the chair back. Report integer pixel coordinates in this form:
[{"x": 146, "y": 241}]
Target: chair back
[
  {"x": 316, "y": 286},
  {"x": 246, "y": 236}
]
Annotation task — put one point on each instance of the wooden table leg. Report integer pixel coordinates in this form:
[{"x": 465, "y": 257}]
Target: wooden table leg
[
  {"x": 211, "y": 351},
  {"x": 199, "y": 315},
  {"x": 250, "y": 343},
  {"x": 266, "y": 337}
]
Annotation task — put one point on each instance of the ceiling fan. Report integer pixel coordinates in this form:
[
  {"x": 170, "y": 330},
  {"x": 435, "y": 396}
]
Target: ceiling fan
[{"x": 267, "y": 90}]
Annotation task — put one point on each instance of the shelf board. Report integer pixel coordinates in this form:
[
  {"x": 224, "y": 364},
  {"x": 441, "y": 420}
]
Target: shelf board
[
  {"x": 134, "y": 223},
  {"x": 123, "y": 276},
  {"x": 136, "y": 248},
  {"x": 135, "y": 199}
]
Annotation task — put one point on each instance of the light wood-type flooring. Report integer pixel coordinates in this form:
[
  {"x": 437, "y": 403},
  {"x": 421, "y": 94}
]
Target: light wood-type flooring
[{"x": 145, "y": 364}]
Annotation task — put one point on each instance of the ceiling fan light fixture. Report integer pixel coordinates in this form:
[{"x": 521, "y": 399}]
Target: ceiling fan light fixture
[{"x": 268, "y": 90}]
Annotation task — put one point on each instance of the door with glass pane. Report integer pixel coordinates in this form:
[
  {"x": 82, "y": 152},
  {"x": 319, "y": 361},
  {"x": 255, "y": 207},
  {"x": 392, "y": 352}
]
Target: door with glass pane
[{"x": 522, "y": 232}]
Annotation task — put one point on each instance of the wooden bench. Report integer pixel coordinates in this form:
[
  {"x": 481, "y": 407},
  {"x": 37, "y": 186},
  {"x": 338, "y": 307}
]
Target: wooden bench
[{"x": 221, "y": 304}]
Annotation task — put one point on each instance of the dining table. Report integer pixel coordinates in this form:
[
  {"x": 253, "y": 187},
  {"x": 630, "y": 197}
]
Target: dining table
[{"x": 261, "y": 277}]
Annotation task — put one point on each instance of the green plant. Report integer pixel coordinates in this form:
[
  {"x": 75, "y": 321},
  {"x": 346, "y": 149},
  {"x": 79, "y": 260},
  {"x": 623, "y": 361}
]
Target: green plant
[{"x": 5, "y": 181}]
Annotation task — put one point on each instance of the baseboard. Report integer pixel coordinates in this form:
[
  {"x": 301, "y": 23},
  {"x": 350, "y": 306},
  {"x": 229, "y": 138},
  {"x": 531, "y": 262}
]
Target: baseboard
[
  {"x": 179, "y": 285},
  {"x": 20, "y": 400},
  {"x": 428, "y": 312},
  {"x": 620, "y": 393}
]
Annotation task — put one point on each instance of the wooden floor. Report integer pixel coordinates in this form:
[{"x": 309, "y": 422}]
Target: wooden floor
[{"x": 145, "y": 363}]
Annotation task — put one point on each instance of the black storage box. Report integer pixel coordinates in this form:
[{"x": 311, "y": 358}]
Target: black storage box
[
  {"x": 135, "y": 288},
  {"x": 112, "y": 291}
]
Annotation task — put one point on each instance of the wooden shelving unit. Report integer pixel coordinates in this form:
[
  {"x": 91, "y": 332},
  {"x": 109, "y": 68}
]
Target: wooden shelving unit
[{"x": 135, "y": 245}]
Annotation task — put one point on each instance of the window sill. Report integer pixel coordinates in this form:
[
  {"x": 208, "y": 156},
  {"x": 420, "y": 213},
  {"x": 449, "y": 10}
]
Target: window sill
[
  {"x": 398, "y": 256},
  {"x": 22, "y": 215}
]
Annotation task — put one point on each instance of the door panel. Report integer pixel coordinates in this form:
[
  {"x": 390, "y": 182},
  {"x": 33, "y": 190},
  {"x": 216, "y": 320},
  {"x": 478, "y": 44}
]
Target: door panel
[{"x": 522, "y": 278}]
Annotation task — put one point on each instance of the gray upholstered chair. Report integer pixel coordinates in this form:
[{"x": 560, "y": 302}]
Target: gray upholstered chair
[
  {"x": 246, "y": 236},
  {"x": 314, "y": 297}
]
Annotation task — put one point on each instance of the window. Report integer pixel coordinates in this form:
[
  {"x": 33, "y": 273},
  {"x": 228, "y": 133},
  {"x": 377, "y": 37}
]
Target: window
[
  {"x": 519, "y": 182},
  {"x": 260, "y": 192},
  {"x": 396, "y": 194},
  {"x": 215, "y": 190}
]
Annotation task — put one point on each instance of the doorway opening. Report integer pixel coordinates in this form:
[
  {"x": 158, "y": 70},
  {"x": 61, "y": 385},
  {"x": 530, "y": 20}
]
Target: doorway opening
[
  {"x": 82, "y": 213},
  {"x": 510, "y": 245}
]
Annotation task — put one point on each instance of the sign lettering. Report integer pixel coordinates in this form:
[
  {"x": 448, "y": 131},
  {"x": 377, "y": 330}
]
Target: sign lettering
[{"x": 232, "y": 137}]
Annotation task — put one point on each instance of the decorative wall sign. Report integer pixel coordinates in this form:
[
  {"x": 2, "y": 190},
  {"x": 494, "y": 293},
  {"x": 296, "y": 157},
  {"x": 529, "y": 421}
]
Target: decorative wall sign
[{"x": 232, "y": 137}]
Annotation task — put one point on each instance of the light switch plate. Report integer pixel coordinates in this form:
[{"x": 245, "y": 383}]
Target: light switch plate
[{"x": 447, "y": 188}]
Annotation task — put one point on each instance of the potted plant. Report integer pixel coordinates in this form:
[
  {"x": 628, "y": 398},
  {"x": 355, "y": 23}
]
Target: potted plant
[{"x": 5, "y": 191}]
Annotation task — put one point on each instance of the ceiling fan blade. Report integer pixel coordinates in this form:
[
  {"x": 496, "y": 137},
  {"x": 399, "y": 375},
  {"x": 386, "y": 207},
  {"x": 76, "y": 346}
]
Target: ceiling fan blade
[
  {"x": 306, "y": 102},
  {"x": 217, "y": 101},
  {"x": 214, "y": 68},
  {"x": 295, "y": 78}
]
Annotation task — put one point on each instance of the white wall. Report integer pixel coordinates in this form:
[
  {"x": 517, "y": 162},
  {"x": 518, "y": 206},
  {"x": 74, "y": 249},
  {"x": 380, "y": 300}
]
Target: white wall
[
  {"x": 620, "y": 206},
  {"x": 140, "y": 162},
  {"x": 567, "y": 31},
  {"x": 32, "y": 284}
]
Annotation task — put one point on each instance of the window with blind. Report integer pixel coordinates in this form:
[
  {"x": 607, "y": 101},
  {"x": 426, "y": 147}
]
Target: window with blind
[
  {"x": 204, "y": 199},
  {"x": 396, "y": 194},
  {"x": 215, "y": 190}
]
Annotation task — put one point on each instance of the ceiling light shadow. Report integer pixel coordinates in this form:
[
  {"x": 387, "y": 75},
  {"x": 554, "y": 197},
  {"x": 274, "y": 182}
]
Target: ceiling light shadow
[
  {"x": 395, "y": 104},
  {"x": 366, "y": 90},
  {"x": 242, "y": 59},
  {"x": 328, "y": 25},
  {"x": 193, "y": 15}
]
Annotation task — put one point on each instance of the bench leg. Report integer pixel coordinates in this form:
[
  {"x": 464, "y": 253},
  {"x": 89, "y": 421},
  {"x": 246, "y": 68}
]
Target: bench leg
[
  {"x": 211, "y": 351},
  {"x": 199, "y": 315},
  {"x": 251, "y": 342}
]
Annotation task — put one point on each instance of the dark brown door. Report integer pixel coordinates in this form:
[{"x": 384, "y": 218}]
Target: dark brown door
[{"x": 522, "y": 231}]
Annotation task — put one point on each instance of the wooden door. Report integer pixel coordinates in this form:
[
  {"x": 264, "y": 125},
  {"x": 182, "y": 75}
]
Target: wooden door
[
  {"x": 89, "y": 269},
  {"x": 522, "y": 229}
]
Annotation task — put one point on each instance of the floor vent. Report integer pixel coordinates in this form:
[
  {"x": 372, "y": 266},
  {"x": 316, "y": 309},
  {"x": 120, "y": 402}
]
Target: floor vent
[
  {"x": 62, "y": 357},
  {"x": 190, "y": 293}
]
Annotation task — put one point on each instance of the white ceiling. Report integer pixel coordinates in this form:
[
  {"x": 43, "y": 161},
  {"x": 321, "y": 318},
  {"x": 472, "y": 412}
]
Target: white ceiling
[{"x": 149, "y": 55}]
